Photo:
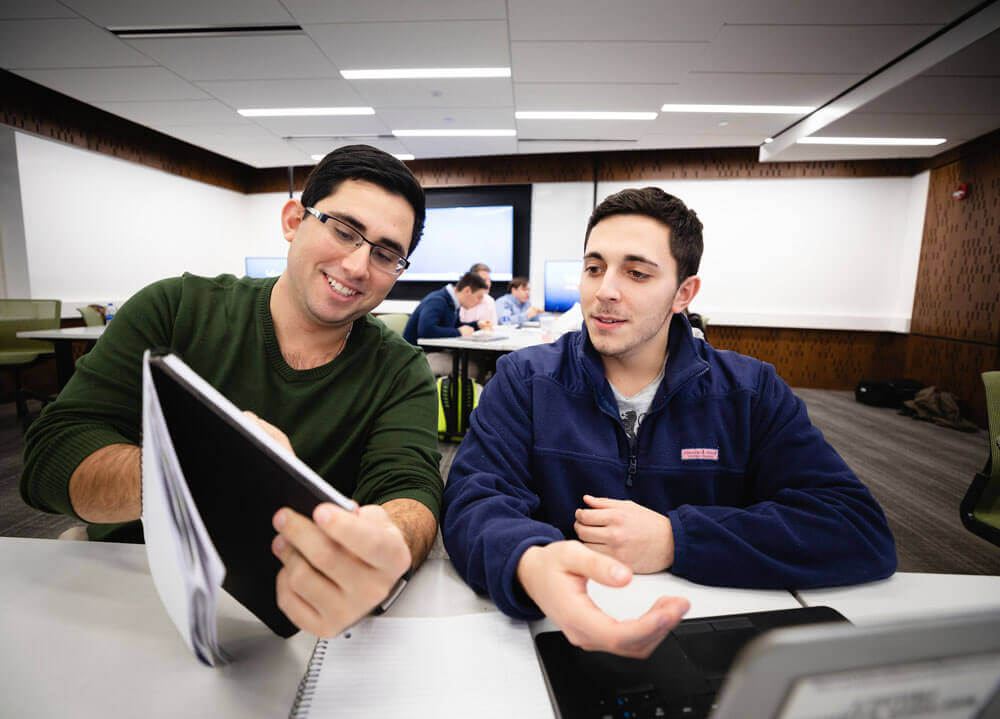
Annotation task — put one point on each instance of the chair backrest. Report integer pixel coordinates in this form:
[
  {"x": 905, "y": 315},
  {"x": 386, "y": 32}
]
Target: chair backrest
[
  {"x": 93, "y": 315},
  {"x": 22, "y": 315},
  {"x": 395, "y": 321},
  {"x": 980, "y": 509}
]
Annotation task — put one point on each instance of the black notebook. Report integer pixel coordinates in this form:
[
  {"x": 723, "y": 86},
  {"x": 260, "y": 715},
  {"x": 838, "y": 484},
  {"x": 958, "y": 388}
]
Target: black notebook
[{"x": 236, "y": 476}]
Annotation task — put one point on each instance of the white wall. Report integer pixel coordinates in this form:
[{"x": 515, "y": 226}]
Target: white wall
[{"x": 824, "y": 253}]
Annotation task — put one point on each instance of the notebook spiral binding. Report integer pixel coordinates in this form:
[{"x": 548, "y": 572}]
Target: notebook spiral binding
[{"x": 307, "y": 687}]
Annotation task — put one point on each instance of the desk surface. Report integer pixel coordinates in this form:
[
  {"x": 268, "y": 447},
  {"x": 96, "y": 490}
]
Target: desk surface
[
  {"x": 67, "y": 333},
  {"x": 515, "y": 339},
  {"x": 82, "y": 627}
]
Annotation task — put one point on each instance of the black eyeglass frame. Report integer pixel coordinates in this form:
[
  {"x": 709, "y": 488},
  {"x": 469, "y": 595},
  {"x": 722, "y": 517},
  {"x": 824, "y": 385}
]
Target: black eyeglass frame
[{"x": 401, "y": 262}]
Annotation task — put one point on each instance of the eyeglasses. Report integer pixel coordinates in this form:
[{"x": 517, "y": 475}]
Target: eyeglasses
[{"x": 381, "y": 258}]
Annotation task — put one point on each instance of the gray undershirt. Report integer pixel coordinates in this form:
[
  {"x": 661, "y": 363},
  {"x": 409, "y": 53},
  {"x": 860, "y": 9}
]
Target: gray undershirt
[{"x": 638, "y": 403}]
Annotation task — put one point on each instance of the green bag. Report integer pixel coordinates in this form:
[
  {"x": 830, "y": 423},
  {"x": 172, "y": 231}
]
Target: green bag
[{"x": 456, "y": 400}]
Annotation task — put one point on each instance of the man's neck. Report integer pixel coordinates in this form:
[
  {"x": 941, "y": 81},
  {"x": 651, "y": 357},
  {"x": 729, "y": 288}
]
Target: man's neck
[
  {"x": 303, "y": 344},
  {"x": 631, "y": 373}
]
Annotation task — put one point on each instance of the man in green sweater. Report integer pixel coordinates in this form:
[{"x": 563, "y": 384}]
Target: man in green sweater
[{"x": 302, "y": 354}]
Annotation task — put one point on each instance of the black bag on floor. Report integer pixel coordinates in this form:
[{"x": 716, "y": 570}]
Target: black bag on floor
[{"x": 886, "y": 393}]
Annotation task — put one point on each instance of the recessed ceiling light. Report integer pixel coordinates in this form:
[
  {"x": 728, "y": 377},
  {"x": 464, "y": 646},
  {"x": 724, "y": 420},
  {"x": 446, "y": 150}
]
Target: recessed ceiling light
[
  {"x": 872, "y": 141},
  {"x": 742, "y": 109},
  {"x": 425, "y": 72},
  {"x": 768, "y": 140},
  {"x": 305, "y": 111},
  {"x": 582, "y": 115},
  {"x": 454, "y": 133}
]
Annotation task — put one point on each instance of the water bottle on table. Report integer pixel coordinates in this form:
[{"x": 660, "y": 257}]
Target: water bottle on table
[{"x": 109, "y": 311}]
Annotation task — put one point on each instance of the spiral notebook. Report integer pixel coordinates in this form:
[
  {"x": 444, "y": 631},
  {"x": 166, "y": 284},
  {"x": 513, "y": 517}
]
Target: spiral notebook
[{"x": 390, "y": 667}]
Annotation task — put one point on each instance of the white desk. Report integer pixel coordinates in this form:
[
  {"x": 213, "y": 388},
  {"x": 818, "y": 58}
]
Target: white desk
[
  {"x": 62, "y": 340},
  {"x": 84, "y": 634},
  {"x": 909, "y": 596},
  {"x": 512, "y": 339},
  {"x": 405, "y": 307}
]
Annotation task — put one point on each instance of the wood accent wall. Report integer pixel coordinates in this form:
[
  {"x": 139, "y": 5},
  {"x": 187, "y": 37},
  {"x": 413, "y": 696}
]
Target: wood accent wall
[
  {"x": 30, "y": 107},
  {"x": 955, "y": 330}
]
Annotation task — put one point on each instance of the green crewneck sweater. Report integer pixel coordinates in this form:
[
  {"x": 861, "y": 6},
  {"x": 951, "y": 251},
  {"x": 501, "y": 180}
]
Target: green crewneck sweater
[{"x": 366, "y": 421}]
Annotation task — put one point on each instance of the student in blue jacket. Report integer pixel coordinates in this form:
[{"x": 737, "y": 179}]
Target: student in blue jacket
[{"x": 632, "y": 447}]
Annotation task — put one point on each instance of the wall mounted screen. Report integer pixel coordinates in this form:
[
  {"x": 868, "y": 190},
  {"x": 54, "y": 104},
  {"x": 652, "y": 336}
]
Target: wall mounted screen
[
  {"x": 562, "y": 284},
  {"x": 455, "y": 238},
  {"x": 265, "y": 266}
]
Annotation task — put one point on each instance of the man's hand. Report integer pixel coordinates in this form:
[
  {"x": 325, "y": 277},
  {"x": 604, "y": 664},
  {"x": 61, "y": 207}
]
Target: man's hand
[
  {"x": 465, "y": 330},
  {"x": 555, "y": 577},
  {"x": 484, "y": 324},
  {"x": 633, "y": 534},
  {"x": 275, "y": 433},
  {"x": 338, "y": 567},
  {"x": 532, "y": 311}
]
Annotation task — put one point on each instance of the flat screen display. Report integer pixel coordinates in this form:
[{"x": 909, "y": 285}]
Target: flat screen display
[
  {"x": 265, "y": 266},
  {"x": 562, "y": 284},
  {"x": 455, "y": 238}
]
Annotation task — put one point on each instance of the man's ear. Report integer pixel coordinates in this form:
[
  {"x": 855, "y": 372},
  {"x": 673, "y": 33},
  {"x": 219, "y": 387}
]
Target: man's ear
[
  {"x": 686, "y": 293},
  {"x": 291, "y": 218}
]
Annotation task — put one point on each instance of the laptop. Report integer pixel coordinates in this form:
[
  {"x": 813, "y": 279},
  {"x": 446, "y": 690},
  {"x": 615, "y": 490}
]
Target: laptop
[{"x": 813, "y": 665}]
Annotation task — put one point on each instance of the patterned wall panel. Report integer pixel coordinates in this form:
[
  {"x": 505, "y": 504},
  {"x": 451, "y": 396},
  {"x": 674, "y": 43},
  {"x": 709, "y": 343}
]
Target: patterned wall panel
[
  {"x": 821, "y": 359},
  {"x": 32, "y": 108},
  {"x": 958, "y": 282},
  {"x": 954, "y": 367}
]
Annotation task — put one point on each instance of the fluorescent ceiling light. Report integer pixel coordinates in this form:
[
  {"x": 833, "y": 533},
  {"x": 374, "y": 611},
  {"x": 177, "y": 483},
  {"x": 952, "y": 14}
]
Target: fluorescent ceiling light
[
  {"x": 305, "y": 111},
  {"x": 872, "y": 141},
  {"x": 742, "y": 109},
  {"x": 425, "y": 72},
  {"x": 454, "y": 133},
  {"x": 574, "y": 115}
]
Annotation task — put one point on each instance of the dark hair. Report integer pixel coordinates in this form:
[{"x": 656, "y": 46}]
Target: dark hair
[
  {"x": 364, "y": 162},
  {"x": 473, "y": 280},
  {"x": 686, "y": 244},
  {"x": 479, "y": 267},
  {"x": 517, "y": 282}
]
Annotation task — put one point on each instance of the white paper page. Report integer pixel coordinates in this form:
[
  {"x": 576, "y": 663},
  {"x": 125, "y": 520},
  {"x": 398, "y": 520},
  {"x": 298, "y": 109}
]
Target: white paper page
[
  {"x": 186, "y": 568},
  {"x": 481, "y": 665}
]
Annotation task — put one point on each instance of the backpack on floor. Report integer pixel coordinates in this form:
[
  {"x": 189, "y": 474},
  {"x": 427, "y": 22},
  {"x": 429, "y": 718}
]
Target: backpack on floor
[
  {"x": 886, "y": 393},
  {"x": 456, "y": 400}
]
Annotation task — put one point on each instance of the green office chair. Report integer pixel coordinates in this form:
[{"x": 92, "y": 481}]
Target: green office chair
[
  {"x": 93, "y": 315},
  {"x": 980, "y": 508},
  {"x": 395, "y": 321},
  {"x": 17, "y": 354}
]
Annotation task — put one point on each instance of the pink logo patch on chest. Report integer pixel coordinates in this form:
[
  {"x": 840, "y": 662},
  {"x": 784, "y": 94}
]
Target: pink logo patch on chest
[{"x": 712, "y": 454}]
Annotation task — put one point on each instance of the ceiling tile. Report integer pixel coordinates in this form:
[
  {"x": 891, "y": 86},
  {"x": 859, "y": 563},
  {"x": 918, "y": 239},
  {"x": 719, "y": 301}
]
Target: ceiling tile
[
  {"x": 117, "y": 84},
  {"x": 744, "y": 88},
  {"x": 590, "y": 96},
  {"x": 842, "y": 12},
  {"x": 156, "y": 13},
  {"x": 953, "y": 95},
  {"x": 601, "y": 21},
  {"x": 655, "y": 141},
  {"x": 343, "y": 11},
  {"x": 952, "y": 127},
  {"x": 581, "y": 129},
  {"x": 219, "y": 134},
  {"x": 28, "y": 44},
  {"x": 807, "y": 49},
  {"x": 809, "y": 153},
  {"x": 338, "y": 125},
  {"x": 239, "y": 58},
  {"x": 364, "y": 46},
  {"x": 478, "y": 92},
  {"x": 423, "y": 147},
  {"x": 400, "y": 118},
  {"x": 21, "y": 10},
  {"x": 175, "y": 112},
  {"x": 980, "y": 58},
  {"x": 597, "y": 62},
  {"x": 290, "y": 92},
  {"x": 531, "y": 147},
  {"x": 706, "y": 123},
  {"x": 321, "y": 147}
]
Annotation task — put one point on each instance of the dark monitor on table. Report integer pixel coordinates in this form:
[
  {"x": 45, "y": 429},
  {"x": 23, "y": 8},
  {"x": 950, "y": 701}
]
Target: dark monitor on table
[
  {"x": 562, "y": 284},
  {"x": 265, "y": 266}
]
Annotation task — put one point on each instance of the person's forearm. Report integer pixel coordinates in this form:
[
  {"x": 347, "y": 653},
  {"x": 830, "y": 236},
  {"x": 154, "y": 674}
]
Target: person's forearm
[
  {"x": 107, "y": 485},
  {"x": 417, "y": 524}
]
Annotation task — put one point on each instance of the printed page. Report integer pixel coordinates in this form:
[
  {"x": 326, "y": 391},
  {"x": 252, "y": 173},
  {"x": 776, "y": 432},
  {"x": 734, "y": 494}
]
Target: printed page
[{"x": 481, "y": 665}]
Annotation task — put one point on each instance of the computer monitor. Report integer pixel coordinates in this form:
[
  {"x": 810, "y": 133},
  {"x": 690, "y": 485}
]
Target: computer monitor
[
  {"x": 265, "y": 266},
  {"x": 562, "y": 284},
  {"x": 455, "y": 238}
]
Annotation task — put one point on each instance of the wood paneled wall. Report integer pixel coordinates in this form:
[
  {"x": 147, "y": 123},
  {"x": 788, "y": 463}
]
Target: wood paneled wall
[{"x": 955, "y": 330}]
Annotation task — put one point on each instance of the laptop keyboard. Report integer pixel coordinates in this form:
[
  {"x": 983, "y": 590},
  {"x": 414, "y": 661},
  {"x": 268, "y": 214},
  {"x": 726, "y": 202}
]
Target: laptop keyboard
[{"x": 644, "y": 702}]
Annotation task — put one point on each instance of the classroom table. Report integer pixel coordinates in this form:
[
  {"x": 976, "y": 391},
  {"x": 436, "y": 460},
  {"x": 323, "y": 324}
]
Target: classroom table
[
  {"x": 506, "y": 338},
  {"x": 85, "y": 635},
  {"x": 62, "y": 340}
]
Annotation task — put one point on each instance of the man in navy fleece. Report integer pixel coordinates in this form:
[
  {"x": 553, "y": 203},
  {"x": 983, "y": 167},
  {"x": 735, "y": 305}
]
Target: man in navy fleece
[{"x": 630, "y": 446}]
